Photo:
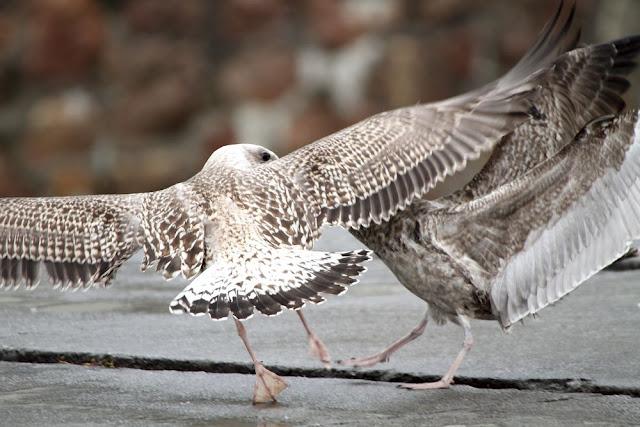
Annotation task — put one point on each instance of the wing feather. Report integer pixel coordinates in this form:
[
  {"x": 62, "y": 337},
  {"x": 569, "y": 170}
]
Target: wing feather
[
  {"x": 556, "y": 226},
  {"x": 383, "y": 163},
  {"x": 83, "y": 240},
  {"x": 584, "y": 84},
  {"x": 173, "y": 227}
]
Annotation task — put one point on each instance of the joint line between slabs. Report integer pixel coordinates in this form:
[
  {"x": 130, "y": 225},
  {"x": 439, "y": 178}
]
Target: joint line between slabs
[{"x": 564, "y": 385}]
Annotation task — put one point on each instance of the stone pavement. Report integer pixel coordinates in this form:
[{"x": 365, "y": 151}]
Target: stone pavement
[
  {"x": 577, "y": 363},
  {"x": 33, "y": 394}
]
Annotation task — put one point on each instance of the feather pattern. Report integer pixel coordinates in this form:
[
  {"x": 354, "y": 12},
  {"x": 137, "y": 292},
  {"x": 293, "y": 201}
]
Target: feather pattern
[
  {"x": 83, "y": 240},
  {"x": 368, "y": 172},
  {"x": 173, "y": 227},
  {"x": 243, "y": 219},
  {"x": 80, "y": 240},
  {"x": 280, "y": 279},
  {"x": 528, "y": 243},
  {"x": 584, "y": 84},
  {"x": 592, "y": 222},
  {"x": 378, "y": 166},
  {"x": 453, "y": 270}
]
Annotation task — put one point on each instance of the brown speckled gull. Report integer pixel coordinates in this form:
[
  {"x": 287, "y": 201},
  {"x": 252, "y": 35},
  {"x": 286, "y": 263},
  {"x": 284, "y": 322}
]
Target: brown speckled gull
[
  {"x": 243, "y": 227},
  {"x": 557, "y": 201},
  {"x": 522, "y": 246}
]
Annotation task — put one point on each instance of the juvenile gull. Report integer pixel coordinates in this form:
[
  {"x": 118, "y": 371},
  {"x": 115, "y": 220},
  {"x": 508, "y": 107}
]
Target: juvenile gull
[
  {"x": 245, "y": 224},
  {"x": 243, "y": 227},
  {"x": 522, "y": 246},
  {"x": 546, "y": 212}
]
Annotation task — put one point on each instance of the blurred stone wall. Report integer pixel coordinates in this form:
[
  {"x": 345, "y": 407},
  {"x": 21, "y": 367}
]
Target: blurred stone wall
[{"x": 124, "y": 96}]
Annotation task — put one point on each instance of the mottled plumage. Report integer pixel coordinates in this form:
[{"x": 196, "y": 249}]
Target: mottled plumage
[
  {"x": 248, "y": 219},
  {"x": 584, "y": 84},
  {"x": 557, "y": 201},
  {"x": 245, "y": 224},
  {"x": 248, "y": 215},
  {"x": 527, "y": 243},
  {"x": 80, "y": 240}
]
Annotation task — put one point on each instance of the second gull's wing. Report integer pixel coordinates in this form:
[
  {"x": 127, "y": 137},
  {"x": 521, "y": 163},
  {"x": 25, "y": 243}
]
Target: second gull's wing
[{"x": 536, "y": 239}]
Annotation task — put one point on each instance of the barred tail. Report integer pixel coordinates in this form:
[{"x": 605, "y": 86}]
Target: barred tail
[{"x": 282, "y": 279}]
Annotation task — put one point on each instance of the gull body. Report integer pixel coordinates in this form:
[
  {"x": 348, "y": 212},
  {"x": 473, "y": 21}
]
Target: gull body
[{"x": 556, "y": 202}]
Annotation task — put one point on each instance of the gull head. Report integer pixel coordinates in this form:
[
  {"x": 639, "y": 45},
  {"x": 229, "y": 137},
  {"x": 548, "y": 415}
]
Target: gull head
[{"x": 240, "y": 156}]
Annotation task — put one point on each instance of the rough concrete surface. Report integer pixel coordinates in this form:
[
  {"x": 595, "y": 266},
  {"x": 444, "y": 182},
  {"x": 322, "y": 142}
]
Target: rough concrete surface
[
  {"x": 578, "y": 363},
  {"x": 35, "y": 394}
]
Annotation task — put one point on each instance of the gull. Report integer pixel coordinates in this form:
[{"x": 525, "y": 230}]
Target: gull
[
  {"x": 242, "y": 229},
  {"x": 244, "y": 226},
  {"x": 557, "y": 202}
]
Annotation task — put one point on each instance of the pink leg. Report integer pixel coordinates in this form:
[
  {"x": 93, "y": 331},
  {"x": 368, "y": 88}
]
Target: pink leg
[
  {"x": 447, "y": 379},
  {"x": 385, "y": 355},
  {"x": 316, "y": 346},
  {"x": 268, "y": 385}
]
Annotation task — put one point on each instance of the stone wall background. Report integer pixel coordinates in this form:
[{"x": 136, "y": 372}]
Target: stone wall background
[{"x": 133, "y": 95}]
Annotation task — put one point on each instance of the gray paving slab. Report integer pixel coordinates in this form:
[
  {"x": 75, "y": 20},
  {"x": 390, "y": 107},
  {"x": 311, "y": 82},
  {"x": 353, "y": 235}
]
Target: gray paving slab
[
  {"x": 36, "y": 395},
  {"x": 591, "y": 334}
]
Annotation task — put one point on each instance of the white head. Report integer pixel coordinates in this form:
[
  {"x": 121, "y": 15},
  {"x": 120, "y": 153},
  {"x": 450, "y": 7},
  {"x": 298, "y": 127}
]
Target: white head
[{"x": 240, "y": 156}]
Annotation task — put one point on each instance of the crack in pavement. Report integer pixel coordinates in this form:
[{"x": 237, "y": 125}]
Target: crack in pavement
[{"x": 564, "y": 385}]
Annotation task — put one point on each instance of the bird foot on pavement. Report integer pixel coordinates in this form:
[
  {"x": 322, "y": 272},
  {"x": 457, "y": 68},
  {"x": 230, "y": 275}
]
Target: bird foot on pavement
[{"x": 268, "y": 385}]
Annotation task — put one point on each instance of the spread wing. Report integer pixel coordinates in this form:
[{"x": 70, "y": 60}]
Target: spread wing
[
  {"x": 534, "y": 240},
  {"x": 582, "y": 85},
  {"x": 82, "y": 241},
  {"x": 369, "y": 171}
]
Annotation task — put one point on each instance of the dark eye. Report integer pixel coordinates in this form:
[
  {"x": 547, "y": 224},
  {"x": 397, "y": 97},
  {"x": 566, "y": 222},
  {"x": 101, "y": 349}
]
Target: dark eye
[{"x": 266, "y": 156}]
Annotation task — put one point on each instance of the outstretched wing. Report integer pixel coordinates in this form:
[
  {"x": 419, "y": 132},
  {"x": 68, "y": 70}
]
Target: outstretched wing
[
  {"x": 532, "y": 241},
  {"x": 583, "y": 84},
  {"x": 369, "y": 171},
  {"x": 173, "y": 231},
  {"x": 80, "y": 240},
  {"x": 83, "y": 240}
]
